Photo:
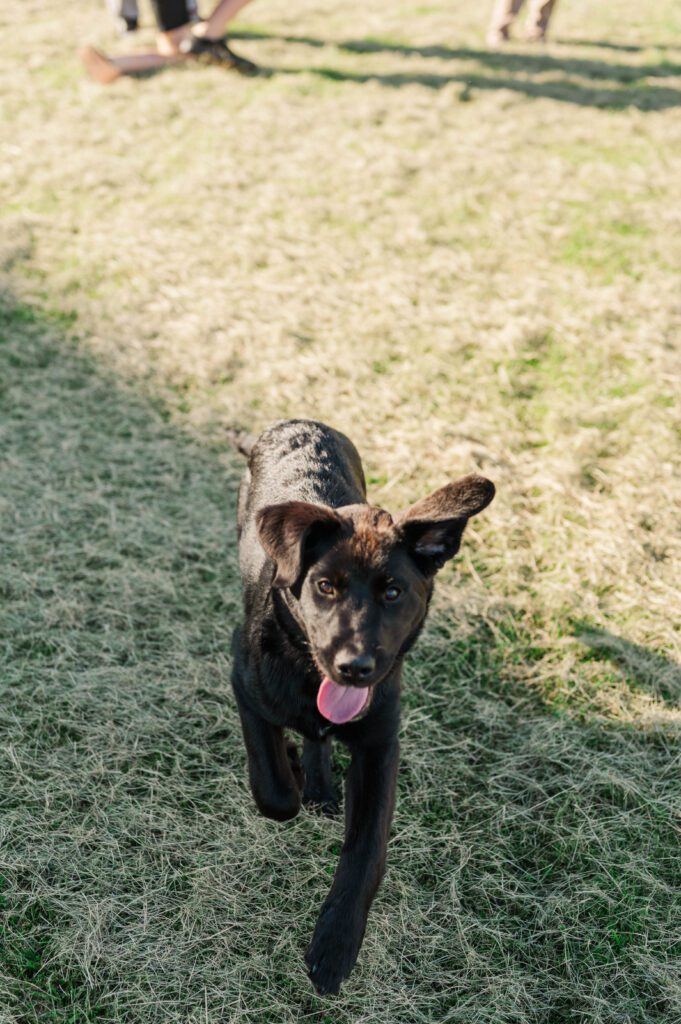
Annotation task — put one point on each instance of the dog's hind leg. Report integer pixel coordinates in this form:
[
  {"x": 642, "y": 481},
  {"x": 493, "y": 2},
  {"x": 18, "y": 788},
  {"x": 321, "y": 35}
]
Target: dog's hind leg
[
  {"x": 319, "y": 789},
  {"x": 273, "y": 782}
]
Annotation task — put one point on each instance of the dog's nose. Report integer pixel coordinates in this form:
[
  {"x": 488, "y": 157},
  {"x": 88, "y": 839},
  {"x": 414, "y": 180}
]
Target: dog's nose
[{"x": 355, "y": 667}]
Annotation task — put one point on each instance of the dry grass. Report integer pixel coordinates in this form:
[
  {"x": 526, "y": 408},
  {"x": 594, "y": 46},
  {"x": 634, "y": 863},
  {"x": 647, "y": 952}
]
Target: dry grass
[{"x": 465, "y": 260}]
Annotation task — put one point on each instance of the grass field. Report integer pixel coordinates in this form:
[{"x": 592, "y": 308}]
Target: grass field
[{"x": 466, "y": 260}]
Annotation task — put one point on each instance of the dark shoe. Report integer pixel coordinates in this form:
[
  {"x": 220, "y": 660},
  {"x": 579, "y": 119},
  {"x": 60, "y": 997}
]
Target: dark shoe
[
  {"x": 126, "y": 26},
  {"x": 216, "y": 51}
]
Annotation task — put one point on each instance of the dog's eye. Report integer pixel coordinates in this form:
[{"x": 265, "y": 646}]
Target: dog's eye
[
  {"x": 325, "y": 587},
  {"x": 392, "y": 592}
]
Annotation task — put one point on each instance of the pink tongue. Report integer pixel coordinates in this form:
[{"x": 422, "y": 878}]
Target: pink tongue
[{"x": 340, "y": 703}]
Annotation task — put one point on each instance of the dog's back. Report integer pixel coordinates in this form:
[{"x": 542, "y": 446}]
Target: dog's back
[{"x": 294, "y": 460}]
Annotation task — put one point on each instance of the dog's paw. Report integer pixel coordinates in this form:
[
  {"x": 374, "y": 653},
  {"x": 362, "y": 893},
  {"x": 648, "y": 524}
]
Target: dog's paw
[
  {"x": 333, "y": 951},
  {"x": 324, "y": 802}
]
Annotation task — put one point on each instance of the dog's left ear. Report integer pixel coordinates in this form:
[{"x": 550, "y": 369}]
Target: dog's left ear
[
  {"x": 433, "y": 527},
  {"x": 285, "y": 530}
]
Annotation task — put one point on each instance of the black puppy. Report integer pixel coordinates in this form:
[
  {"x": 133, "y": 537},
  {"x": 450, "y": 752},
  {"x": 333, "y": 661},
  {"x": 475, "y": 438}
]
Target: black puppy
[{"x": 335, "y": 593}]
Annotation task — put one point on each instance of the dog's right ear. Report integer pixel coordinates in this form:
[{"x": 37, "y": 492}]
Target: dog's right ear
[
  {"x": 433, "y": 527},
  {"x": 285, "y": 529}
]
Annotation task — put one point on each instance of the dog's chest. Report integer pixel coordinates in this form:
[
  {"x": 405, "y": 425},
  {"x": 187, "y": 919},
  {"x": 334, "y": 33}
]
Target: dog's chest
[{"x": 288, "y": 692}]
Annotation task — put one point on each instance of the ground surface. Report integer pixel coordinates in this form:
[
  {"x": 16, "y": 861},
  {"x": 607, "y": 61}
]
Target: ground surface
[{"x": 467, "y": 261}]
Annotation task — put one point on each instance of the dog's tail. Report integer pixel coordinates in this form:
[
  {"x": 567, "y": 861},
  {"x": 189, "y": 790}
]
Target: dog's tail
[{"x": 242, "y": 440}]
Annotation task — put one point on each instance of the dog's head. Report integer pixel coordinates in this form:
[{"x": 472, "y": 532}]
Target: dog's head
[{"x": 362, "y": 580}]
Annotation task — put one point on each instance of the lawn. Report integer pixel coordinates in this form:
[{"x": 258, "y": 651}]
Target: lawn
[{"x": 468, "y": 261}]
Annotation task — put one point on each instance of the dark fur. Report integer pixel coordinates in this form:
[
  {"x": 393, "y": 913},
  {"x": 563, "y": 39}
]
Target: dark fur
[{"x": 303, "y": 516}]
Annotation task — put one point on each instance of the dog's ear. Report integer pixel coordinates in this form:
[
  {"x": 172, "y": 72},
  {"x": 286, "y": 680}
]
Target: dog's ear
[
  {"x": 433, "y": 527},
  {"x": 284, "y": 530}
]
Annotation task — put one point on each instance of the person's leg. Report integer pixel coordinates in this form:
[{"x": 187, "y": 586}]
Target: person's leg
[
  {"x": 174, "y": 25},
  {"x": 538, "y": 18},
  {"x": 170, "y": 14},
  {"x": 130, "y": 13},
  {"x": 125, "y": 13},
  {"x": 105, "y": 69},
  {"x": 173, "y": 22},
  {"x": 178, "y": 39},
  {"x": 214, "y": 26},
  {"x": 502, "y": 18},
  {"x": 204, "y": 41}
]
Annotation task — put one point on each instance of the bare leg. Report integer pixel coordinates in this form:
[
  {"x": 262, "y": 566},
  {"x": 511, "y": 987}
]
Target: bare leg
[
  {"x": 214, "y": 26},
  {"x": 105, "y": 69},
  {"x": 168, "y": 42},
  {"x": 502, "y": 18},
  {"x": 538, "y": 19}
]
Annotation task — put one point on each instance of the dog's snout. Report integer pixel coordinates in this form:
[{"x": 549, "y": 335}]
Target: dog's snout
[{"x": 354, "y": 667}]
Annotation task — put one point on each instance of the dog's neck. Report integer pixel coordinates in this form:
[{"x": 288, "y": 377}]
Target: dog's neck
[{"x": 287, "y": 614}]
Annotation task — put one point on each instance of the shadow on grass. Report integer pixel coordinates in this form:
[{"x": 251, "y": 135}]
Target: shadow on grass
[
  {"x": 99, "y": 488},
  {"x": 632, "y": 88},
  {"x": 134, "y": 870},
  {"x": 522, "y": 62},
  {"x": 604, "y": 44},
  {"x": 644, "y": 669},
  {"x": 118, "y": 594}
]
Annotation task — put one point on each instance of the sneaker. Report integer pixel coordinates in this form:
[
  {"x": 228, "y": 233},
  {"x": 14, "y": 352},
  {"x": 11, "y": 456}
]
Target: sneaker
[
  {"x": 126, "y": 26},
  {"x": 216, "y": 51}
]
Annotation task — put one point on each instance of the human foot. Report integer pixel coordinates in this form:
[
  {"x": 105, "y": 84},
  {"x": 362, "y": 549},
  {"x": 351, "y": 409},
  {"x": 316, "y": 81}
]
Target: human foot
[{"x": 99, "y": 66}]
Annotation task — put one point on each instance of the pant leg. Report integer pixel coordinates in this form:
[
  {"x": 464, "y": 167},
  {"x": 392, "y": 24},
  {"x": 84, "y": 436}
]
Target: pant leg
[
  {"x": 170, "y": 14},
  {"x": 502, "y": 17},
  {"x": 130, "y": 10},
  {"x": 126, "y": 9},
  {"x": 538, "y": 18}
]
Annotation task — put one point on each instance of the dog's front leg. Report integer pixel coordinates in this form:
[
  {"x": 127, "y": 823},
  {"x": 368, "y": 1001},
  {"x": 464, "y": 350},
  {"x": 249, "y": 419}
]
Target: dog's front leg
[
  {"x": 274, "y": 771},
  {"x": 319, "y": 789},
  {"x": 370, "y": 800}
]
